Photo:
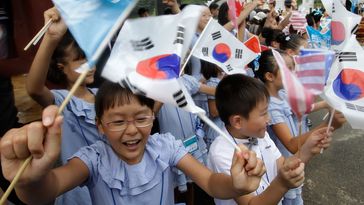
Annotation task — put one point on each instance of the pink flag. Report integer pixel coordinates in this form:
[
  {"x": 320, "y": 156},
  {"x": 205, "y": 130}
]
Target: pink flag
[
  {"x": 299, "y": 98},
  {"x": 235, "y": 7}
]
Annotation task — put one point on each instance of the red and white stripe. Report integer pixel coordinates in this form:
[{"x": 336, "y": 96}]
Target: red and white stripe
[
  {"x": 310, "y": 70},
  {"x": 299, "y": 98}
]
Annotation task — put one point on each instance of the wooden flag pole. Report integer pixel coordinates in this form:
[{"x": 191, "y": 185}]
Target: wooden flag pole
[{"x": 39, "y": 35}]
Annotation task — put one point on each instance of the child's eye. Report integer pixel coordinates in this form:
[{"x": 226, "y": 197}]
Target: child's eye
[
  {"x": 117, "y": 123},
  {"x": 142, "y": 119}
]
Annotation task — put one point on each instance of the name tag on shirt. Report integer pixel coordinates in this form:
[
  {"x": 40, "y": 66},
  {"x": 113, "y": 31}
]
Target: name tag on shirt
[{"x": 191, "y": 144}]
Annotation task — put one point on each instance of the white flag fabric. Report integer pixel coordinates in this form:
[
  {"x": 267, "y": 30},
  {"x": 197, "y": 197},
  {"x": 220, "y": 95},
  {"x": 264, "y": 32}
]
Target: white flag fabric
[
  {"x": 222, "y": 48},
  {"x": 343, "y": 24},
  {"x": 345, "y": 86},
  {"x": 91, "y": 21},
  {"x": 147, "y": 54}
]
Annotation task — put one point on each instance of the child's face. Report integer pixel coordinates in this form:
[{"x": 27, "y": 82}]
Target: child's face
[
  {"x": 73, "y": 62},
  {"x": 258, "y": 120},
  {"x": 127, "y": 128},
  {"x": 204, "y": 19}
]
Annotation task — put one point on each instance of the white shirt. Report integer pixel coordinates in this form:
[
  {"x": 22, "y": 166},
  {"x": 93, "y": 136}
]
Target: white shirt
[{"x": 221, "y": 154}]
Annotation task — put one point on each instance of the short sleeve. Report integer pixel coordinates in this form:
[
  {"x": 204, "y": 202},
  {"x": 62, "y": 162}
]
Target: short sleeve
[
  {"x": 191, "y": 84},
  {"x": 169, "y": 147},
  {"x": 276, "y": 114},
  {"x": 59, "y": 96},
  {"x": 90, "y": 156}
]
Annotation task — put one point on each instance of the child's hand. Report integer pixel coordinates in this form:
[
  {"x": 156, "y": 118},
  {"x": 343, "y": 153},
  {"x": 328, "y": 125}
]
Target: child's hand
[
  {"x": 319, "y": 139},
  {"x": 246, "y": 170},
  {"x": 42, "y": 140},
  {"x": 291, "y": 174},
  {"x": 58, "y": 27},
  {"x": 338, "y": 120}
]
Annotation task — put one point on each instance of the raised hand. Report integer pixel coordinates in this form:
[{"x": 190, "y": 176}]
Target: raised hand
[
  {"x": 42, "y": 140},
  {"x": 291, "y": 174},
  {"x": 246, "y": 170},
  {"x": 58, "y": 27}
]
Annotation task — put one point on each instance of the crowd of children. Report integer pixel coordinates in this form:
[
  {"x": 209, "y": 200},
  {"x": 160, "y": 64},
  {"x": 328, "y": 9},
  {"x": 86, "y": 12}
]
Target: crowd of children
[{"x": 102, "y": 149}]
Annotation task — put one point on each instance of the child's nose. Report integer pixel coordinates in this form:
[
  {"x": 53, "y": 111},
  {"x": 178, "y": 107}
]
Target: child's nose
[{"x": 131, "y": 129}]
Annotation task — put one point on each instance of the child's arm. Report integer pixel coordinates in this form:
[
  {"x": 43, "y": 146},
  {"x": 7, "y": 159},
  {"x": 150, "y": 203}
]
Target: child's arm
[
  {"x": 290, "y": 175},
  {"x": 319, "y": 105},
  {"x": 292, "y": 143},
  {"x": 206, "y": 89},
  {"x": 243, "y": 14},
  {"x": 38, "y": 71},
  {"x": 212, "y": 108},
  {"x": 40, "y": 184},
  {"x": 246, "y": 171}
]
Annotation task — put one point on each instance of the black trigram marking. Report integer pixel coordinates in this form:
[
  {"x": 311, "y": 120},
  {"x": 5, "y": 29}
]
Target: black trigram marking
[
  {"x": 354, "y": 107},
  {"x": 127, "y": 84},
  {"x": 229, "y": 68},
  {"x": 333, "y": 7},
  {"x": 205, "y": 51},
  {"x": 216, "y": 35},
  {"x": 347, "y": 56},
  {"x": 141, "y": 45},
  {"x": 180, "y": 35},
  {"x": 180, "y": 99},
  {"x": 355, "y": 28},
  {"x": 238, "y": 53}
]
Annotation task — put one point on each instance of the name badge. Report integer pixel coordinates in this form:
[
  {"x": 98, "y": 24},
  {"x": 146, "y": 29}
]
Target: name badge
[{"x": 191, "y": 144}]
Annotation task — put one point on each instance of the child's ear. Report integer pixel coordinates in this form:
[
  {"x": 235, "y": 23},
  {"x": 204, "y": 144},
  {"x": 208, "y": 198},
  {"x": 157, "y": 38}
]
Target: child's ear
[
  {"x": 269, "y": 76},
  {"x": 60, "y": 66},
  {"x": 99, "y": 126},
  {"x": 290, "y": 52},
  {"x": 236, "y": 121}
]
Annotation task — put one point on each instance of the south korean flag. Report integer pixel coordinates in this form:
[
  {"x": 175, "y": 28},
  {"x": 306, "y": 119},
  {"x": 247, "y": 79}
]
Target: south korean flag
[{"x": 218, "y": 46}]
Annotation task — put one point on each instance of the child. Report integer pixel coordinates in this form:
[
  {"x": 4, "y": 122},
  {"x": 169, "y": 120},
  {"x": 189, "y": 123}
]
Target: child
[
  {"x": 242, "y": 103},
  {"x": 59, "y": 56},
  {"x": 213, "y": 75},
  {"x": 284, "y": 127},
  {"x": 130, "y": 168}
]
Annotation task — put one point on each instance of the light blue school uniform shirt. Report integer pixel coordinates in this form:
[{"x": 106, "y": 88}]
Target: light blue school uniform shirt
[
  {"x": 200, "y": 99},
  {"x": 280, "y": 112},
  {"x": 184, "y": 125},
  {"x": 211, "y": 134},
  {"x": 151, "y": 181},
  {"x": 78, "y": 130}
]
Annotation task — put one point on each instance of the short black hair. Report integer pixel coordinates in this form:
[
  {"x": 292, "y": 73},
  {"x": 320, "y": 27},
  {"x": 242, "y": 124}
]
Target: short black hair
[
  {"x": 267, "y": 63},
  {"x": 213, "y": 6},
  {"x": 113, "y": 94},
  {"x": 239, "y": 94},
  {"x": 291, "y": 41},
  {"x": 222, "y": 18},
  {"x": 55, "y": 74},
  {"x": 142, "y": 10},
  {"x": 209, "y": 70}
]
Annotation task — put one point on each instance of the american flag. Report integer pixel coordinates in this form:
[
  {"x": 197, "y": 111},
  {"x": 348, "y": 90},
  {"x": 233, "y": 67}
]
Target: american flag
[
  {"x": 312, "y": 70},
  {"x": 298, "y": 21},
  {"x": 299, "y": 98}
]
